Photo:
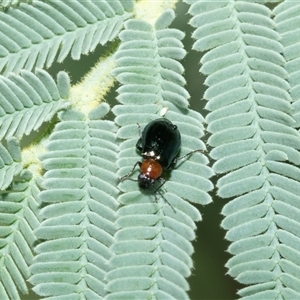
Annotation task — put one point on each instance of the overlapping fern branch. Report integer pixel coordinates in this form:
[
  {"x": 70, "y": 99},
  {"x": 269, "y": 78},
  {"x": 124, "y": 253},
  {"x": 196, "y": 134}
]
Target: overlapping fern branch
[
  {"x": 37, "y": 34},
  {"x": 286, "y": 19},
  {"x": 26, "y": 102},
  {"x": 153, "y": 242},
  {"x": 7, "y": 3},
  {"x": 255, "y": 146},
  {"x": 79, "y": 207},
  {"x": 19, "y": 218},
  {"x": 10, "y": 162}
]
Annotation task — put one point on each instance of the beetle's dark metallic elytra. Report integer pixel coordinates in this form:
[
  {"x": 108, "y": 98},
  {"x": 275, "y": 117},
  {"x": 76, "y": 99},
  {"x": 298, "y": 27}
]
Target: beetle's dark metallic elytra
[
  {"x": 160, "y": 140},
  {"x": 159, "y": 145}
]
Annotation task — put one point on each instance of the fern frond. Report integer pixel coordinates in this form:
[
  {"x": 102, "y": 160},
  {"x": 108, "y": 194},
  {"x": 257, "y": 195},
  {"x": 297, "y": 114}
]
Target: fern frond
[
  {"x": 286, "y": 18},
  {"x": 34, "y": 35},
  {"x": 19, "y": 218},
  {"x": 254, "y": 143},
  {"x": 79, "y": 213},
  {"x": 28, "y": 100},
  {"x": 153, "y": 244}
]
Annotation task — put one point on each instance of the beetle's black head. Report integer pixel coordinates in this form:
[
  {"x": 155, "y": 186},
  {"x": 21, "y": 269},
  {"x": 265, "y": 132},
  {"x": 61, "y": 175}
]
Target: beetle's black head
[{"x": 145, "y": 182}]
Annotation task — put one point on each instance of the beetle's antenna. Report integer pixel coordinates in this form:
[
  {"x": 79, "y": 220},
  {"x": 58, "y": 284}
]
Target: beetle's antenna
[
  {"x": 185, "y": 155},
  {"x": 139, "y": 129},
  {"x": 130, "y": 172}
]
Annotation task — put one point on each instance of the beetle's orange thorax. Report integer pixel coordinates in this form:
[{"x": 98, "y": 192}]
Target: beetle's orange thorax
[{"x": 151, "y": 168}]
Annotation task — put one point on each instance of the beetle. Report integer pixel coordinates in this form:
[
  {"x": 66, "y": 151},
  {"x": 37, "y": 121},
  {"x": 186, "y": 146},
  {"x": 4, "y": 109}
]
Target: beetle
[{"x": 159, "y": 145}]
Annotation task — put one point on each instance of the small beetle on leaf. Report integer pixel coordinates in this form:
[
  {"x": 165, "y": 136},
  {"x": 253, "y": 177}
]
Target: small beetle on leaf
[{"x": 159, "y": 145}]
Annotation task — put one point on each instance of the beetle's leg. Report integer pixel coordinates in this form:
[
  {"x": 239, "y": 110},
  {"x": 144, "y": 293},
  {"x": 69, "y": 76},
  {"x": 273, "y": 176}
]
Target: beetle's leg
[
  {"x": 162, "y": 182},
  {"x": 130, "y": 173},
  {"x": 185, "y": 155}
]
